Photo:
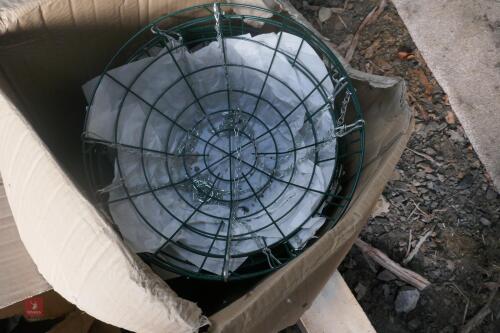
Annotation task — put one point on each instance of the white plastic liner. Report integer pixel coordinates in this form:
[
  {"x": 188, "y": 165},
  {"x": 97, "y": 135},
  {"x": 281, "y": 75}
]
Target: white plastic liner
[{"x": 192, "y": 89}]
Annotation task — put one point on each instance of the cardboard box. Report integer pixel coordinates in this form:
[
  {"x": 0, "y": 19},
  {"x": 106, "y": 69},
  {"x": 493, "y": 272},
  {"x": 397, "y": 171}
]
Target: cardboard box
[{"x": 48, "y": 49}]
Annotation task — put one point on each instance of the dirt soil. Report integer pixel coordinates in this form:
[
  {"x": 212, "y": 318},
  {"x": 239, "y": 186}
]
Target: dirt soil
[{"x": 439, "y": 186}]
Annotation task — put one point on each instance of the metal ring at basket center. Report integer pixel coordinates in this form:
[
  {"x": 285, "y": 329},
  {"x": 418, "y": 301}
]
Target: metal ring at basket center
[{"x": 228, "y": 143}]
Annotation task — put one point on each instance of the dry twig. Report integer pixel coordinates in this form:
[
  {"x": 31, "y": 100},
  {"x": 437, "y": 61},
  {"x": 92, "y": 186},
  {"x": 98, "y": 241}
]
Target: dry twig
[
  {"x": 427, "y": 157},
  {"x": 342, "y": 21},
  {"x": 467, "y": 300},
  {"x": 383, "y": 260},
  {"x": 479, "y": 317},
  {"x": 370, "y": 18},
  {"x": 408, "y": 249},
  {"x": 426, "y": 215},
  {"x": 417, "y": 247}
]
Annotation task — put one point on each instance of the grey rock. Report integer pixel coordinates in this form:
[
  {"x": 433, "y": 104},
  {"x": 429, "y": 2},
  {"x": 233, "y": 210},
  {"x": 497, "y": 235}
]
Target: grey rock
[
  {"x": 406, "y": 300},
  {"x": 491, "y": 194},
  {"x": 385, "y": 275},
  {"x": 360, "y": 290},
  {"x": 414, "y": 324},
  {"x": 400, "y": 283},
  {"x": 419, "y": 159},
  {"x": 431, "y": 186},
  {"x": 484, "y": 221},
  {"x": 430, "y": 151},
  {"x": 466, "y": 182},
  {"x": 448, "y": 329},
  {"x": 456, "y": 137},
  {"x": 387, "y": 291}
]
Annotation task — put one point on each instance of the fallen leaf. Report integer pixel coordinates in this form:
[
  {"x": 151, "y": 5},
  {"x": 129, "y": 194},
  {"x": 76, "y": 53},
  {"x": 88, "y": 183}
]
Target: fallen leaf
[
  {"x": 384, "y": 65},
  {"x": 450, "y": 118},
  {"x": 426, "y": 168},
  {"x": 370, "y": 50},
  {"x": 381, "y": 207},
  {"x": 405, "y": 55},
  {"x": 424, "y": 81},
  {"x": 324, "y": 14},
  {"x": 445, "y": 100},
  {"x": 421, "y": 112}
]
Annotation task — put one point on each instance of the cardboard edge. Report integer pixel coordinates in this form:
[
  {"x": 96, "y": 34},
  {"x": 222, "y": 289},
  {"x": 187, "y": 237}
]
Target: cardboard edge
[
  {"x": 75, "y": 250},
  {"x": 335, "y": 297}
]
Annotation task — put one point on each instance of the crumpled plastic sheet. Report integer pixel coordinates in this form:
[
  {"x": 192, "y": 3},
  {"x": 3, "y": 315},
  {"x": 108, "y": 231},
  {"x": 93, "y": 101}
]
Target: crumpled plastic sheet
[{"x": 149, "y": 218}]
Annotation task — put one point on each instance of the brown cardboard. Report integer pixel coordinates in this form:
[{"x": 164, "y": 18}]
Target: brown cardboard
[
  {"x": 53, "y": 306},
  {"x": 80, "y": 322},
  {"x": 48, "y": 49},
  {"x": 19, "y": 278}
]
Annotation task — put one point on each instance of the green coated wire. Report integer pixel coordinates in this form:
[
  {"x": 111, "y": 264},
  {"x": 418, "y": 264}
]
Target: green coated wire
[{"x": 200, "y": 31}]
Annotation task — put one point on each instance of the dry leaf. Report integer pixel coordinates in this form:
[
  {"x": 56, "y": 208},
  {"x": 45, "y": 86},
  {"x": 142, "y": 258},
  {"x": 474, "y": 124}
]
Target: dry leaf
[
  {"x": 370, "y": 50},
  {"x": 381, "y": 207},
  {"x": 450, "y": 118},
  {"x": 324, "y": 14},
  {"x": 445, "y": 100},
  {"x": 405, "y": 55},
  {"x": 426, "y": 168},
  {"x": 421, "y": 112},
  {"x": 424, "y": 81}
]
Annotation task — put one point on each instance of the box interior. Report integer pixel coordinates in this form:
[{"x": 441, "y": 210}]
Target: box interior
[
  {"x": 43, "y": 68},
  {"x": 49, "y": 51}
]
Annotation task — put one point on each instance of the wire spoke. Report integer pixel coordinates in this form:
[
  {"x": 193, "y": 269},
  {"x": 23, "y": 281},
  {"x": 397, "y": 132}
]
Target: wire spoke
[
  {"x": 289, "y": 182},
  {"x": 207, "y": 199},
  {"x": 169, "y": 51},
  {"x": 190, "y": 177},
  {"x": 265, "y": 81},
  {"x": 127, "y": 146},
  {"x": 164, "y": 115},
  {"x": 264, "y": 207},
  {"x": 291, "y": 112},
  {"x": 211, "y": 246},
  {"x": 296, "y": 149}
]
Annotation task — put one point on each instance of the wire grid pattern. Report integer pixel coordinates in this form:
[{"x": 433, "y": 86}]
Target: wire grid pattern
[{"x": 220, "y": 22}]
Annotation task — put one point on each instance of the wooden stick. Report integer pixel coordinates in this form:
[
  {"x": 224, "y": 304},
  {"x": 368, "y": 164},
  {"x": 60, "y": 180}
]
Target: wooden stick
[
  {"x": 383, "y": 260},
  {"x": 479, "y": 317},
  {"x": 370, "y": 18},
  {"x": 427, "y": 157}
]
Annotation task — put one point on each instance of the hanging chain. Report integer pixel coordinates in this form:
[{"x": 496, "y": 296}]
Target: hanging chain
[
  {"x": 343, "y": 109},
  {"x": 342, "y": 129}
]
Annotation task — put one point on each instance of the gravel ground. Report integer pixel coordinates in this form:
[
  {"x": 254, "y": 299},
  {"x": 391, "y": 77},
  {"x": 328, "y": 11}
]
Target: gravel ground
[{"x": 439, "y": 188}]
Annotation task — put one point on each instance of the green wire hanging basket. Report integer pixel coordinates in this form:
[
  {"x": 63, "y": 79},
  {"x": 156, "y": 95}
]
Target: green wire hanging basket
[{"x": 229, "y": 134}]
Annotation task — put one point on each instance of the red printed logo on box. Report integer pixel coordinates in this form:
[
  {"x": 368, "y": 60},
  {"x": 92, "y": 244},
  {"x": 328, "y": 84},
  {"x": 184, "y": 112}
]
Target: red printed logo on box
[{"x": 33, "y": 307}]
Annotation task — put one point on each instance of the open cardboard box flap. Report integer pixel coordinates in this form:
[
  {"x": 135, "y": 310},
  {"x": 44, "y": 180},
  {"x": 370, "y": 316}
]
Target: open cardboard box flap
[
  {"x": 19, "y": 278},
  {"x": 47, "y": 50}
]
